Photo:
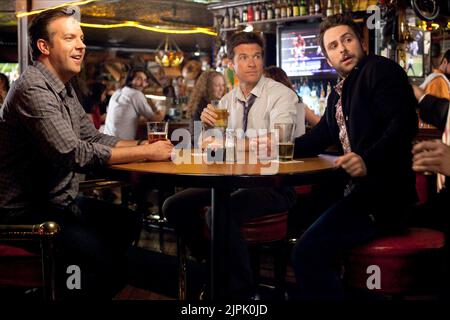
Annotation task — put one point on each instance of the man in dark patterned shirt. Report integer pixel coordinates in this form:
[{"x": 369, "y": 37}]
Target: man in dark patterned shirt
[
  {"x": 46, "y": 137},
  {"x": 371, "y": 116}
]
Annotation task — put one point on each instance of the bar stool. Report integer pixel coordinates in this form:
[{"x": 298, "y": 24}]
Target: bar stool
[
  {"x": 22, "y": 268},
  {"x": 269, "y": 231},
  {"x": 409, "y": 263}
]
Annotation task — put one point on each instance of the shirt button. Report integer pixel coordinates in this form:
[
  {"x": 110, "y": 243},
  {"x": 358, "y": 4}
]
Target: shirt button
[{"x": 346, "y": 118}]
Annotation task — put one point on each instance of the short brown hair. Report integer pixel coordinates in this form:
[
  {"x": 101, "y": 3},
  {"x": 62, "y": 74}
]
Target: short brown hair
[
  {"x": 39, "y": 27},
  {"x": 334, "y": 21},
  {"x": 244, "y": 38}
]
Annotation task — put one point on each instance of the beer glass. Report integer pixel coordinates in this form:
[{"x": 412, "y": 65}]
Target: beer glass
[
  {"x": 157, "y": 131},
  {"x": 285, "y": 135},
  {"x": 222, "y": 114}
]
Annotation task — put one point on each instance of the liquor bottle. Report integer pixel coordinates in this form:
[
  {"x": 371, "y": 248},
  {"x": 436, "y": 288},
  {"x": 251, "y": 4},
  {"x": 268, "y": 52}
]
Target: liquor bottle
[
  {"x": 303, "y": 10},
  {"x": 277, "y": 10},
  {"x": 341, "y": 6},
  {"x": 270, "y": 12},
  {"x": 226, "y": 19},
  {"x": 232, "y": 22},
  {"x": 258, "y": 13},
  {"x": 348, "y": 6},
  {"x": 264, "y": 12},
  {"x": 330, "y": 10},
  {"x": 295, "y": 9},
  {"x": 311, "y": 7},
  {"x": 317, "y": 7},
  {"x": 250, "y": 14},
  {"x": 289, "y": 9},
  {"x": 236, "y": 18},
  {"x": 244, "y": 15},
  {"x": 283, "y": 10}
]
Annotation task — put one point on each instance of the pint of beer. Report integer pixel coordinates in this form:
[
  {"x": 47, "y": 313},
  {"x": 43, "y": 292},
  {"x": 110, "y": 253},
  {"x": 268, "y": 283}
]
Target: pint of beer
[
  {"x": 157, "y": 131},
  {"x": 222, "y": 114},
  {"x": 285, "y": 135}
]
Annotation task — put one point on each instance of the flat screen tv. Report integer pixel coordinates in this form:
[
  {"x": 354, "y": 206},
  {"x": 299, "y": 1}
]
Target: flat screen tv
[
  {"x": 415, "y": 54},
  {"x": 299, "y": 52}
]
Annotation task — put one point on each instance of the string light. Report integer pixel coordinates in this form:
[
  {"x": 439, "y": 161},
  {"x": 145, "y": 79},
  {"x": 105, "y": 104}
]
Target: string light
[{"x": 135, "y": 24}]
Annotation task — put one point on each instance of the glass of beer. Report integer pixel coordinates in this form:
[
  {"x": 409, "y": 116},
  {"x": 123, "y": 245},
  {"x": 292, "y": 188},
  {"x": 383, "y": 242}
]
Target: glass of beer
[
  {"x": 157, "y": 131},
  {"x": 222, "y": 114},
  {"x": 285, "y": 140}
]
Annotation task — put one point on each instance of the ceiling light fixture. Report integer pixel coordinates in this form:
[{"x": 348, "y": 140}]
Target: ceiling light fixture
[{"x": 171, "y": 56}]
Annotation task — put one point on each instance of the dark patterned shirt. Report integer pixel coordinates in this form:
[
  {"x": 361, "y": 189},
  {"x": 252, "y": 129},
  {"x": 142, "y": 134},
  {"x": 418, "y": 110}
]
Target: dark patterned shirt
[
  {"x": 343, "y": 135},
  {"x": 45, "y": 138}
]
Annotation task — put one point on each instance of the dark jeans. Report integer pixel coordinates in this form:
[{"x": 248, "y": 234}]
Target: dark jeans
[
  {"x": 95, "y": 236},
  {"x": 184, "y": 211},
  {"x": 318, "y": 252}
]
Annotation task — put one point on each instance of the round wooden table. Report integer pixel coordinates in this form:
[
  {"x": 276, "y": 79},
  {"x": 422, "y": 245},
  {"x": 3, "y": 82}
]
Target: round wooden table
[{"x": 223, "y": 179}]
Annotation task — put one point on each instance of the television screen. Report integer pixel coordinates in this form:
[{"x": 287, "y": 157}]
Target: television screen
[
  {"x": 300, "y": 53},
  {"x": 414, "y": 54}
]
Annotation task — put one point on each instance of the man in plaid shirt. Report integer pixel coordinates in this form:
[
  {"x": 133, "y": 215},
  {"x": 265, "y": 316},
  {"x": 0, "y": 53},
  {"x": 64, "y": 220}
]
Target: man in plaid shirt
[{"x": 46, "y": 138}]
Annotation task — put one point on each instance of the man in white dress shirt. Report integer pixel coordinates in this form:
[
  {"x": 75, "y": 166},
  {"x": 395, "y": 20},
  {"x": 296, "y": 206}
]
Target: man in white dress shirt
[
  {"x": 258, "y": 103},
  {"x": 127, "y": 105}
]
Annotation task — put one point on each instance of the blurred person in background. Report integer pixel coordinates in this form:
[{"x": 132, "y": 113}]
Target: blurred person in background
[
  {"x": 4, "y": 87},
  {"x": 128, "y": 104},
  {"x": 209, "y": 86},
  {"x": 95, "y": 104},
  {"x": 280, "y": 75}
]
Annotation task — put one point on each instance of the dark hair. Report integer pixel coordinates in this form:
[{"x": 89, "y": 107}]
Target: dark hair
[
  {"x": 244, "y": 38},
  {"x": 5, "y": 81},
  {"x": 39, "y": 27},
  {"x": 279, "y": 75},
  {"x": 97, "y": 90},
  {"x": 132, "y": 73},
  {"x": 334, "y": 21},
  {"x": 446, "y": 56}
]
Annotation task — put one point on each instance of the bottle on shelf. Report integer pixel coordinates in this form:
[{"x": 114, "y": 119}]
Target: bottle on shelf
[
  {"x": 278, "y": 10},
  {"x": 244, "y": 15},
  {"x": 341, "y": 6},
  {"x": 322, "y": 101},
  {"x": 236, "y": 18},
  {"x": 289, "y": 9},
  {"x": 232, "y": 22},
  {"x": 295, "y": 9},
  {"x": 311, "y": 7},
  {"x": 264, "y": 12},
  {"x": 303, "y": 9},
  {"x": 258, "y": 13},
  {"x": 283, "y": 10},
  {"x": 317, "y": 7},
  {"x": 250, "y": 13},
  {"x": 270, "y": 12},
  {"x": 226, "y": 19},
  {"x": 330, "y": 9}
]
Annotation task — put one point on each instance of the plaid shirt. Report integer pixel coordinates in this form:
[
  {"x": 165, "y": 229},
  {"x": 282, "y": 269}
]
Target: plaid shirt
[{"x": 45, "y": 137}]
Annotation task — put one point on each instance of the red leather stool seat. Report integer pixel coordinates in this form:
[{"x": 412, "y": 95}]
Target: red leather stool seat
[
  {"x": 268, "y": 228},
  {"x": 409, "y": 262},
  {"x": 19, "y": 267}
]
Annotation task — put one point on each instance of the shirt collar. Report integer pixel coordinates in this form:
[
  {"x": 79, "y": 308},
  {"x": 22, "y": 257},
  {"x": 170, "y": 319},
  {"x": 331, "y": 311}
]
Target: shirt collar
[
  {"x": 256, "y": 91},
  {"x": 338, "y": 86},
  {"x": 53, "y": 80}
]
